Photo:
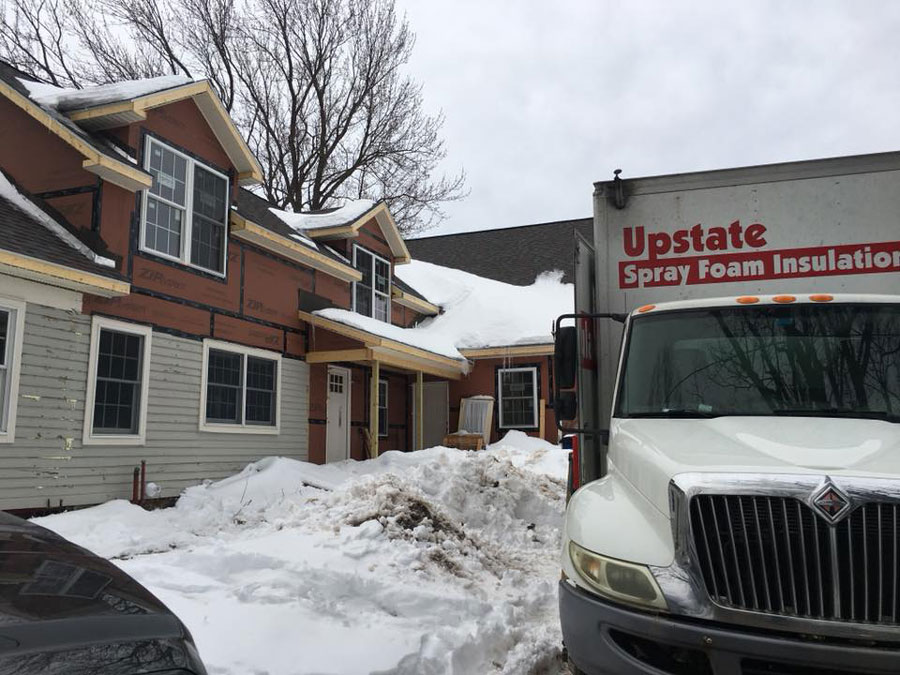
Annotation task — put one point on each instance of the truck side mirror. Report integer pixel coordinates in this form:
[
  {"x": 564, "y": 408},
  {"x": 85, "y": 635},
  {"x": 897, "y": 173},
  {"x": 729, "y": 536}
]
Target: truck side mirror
[
  {"x": 565, "y": 406},
  {"x": 565, "y": 357}
]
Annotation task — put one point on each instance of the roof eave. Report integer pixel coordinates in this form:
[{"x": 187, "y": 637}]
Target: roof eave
[
  {"x": 385, "y": 220},
  {"x": 249, "y": 231},
  {"x": 412, "y": 302},
  {"x": 122, "y": 113},
  {"x": 35, "y": 269},
  {"x": 119, "y": 173},
  {"x": 377, "y": 342},
  {"x": 544, "y": 349}
]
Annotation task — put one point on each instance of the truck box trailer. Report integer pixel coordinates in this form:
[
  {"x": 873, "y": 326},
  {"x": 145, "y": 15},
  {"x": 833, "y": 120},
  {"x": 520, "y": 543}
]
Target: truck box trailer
[{"x": 734, "y": 377}]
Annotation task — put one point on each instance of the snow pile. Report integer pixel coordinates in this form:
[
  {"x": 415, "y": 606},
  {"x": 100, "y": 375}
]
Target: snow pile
[
  {"x": 345, "y": 215},
  {"x": 431, "y": 341},
  {"x": 9, "y": 192},
  {"x": 439, "y": 561},
  {"x": 64, "y": 99},
  {"x": 479, "y": 312}
]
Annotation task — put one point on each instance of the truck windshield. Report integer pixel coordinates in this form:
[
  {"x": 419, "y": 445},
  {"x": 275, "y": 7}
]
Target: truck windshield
[{"x": 807, "y": 359}]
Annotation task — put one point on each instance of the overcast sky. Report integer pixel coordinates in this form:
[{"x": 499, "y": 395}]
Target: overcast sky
[{"x": 543, "y": 98}]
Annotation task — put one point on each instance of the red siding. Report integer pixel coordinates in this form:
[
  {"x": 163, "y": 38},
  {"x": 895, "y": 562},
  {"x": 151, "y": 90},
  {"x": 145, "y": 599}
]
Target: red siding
[{"x": 482, "y": 379}]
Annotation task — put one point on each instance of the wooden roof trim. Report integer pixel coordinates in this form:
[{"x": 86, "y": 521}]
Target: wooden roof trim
[
  {"x": 35, "y": 269},
  {"x": 293, "y": 250},
  {"x": 412, "y": 302},
  {"x": 511, "y": 351},
  {"x": 383, "y": 355},
  {"x": 374, "y": 341},
  {"x": 385, "y": 221},
  {"x": 123, "y": 174},
  {"x": 133, "y": 110}
]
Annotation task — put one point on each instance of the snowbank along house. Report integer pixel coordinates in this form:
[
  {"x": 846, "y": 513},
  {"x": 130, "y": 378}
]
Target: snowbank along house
[{"x": 153, "y": 308}]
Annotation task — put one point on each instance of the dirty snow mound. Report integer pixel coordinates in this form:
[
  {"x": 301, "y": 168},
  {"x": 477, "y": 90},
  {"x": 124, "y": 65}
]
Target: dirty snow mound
[{"x": 439, "y": 561}]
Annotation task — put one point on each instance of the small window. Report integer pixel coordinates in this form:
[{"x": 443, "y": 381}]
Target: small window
[
  {"x": 11, "y": 327},
  {"x": 118, "y": 382},
  {"x": 372, "y": 294},
  {"x": 382, "y": 408},
  {"x": 240, "y": 389},
  {"x": 185, "y": 210},
  {"x": 517, "y": 388}
]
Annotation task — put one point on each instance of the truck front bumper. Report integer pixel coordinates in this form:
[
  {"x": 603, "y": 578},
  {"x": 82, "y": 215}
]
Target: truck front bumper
[{"x": 607, "y": 639}]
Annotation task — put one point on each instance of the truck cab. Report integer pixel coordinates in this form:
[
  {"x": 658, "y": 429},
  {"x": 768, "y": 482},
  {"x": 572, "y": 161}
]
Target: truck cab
[{"x": 737, "y": 468}]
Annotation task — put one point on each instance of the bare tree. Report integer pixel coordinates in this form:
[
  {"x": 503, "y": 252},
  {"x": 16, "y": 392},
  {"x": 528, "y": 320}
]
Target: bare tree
[{"x": 316, "y": 86}]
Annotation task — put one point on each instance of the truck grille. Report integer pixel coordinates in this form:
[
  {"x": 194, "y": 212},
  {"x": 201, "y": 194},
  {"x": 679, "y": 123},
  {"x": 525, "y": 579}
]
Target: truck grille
[{"x": 775, "y": 555}]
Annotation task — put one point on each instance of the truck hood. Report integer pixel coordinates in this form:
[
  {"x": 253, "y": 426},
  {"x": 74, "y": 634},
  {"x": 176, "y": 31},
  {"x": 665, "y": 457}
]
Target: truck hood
[{"x": 650, "y": 452}]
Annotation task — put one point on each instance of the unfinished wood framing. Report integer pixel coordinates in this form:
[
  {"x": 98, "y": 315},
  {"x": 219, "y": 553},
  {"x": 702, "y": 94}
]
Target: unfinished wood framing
[{"x": 373, "y": 409}]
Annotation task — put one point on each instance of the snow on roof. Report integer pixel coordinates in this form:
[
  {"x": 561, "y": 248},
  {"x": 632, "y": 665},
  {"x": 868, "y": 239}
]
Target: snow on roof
[
  {"x": 348, "y": 213},
  {"x": 480, "y": 313},
  {"x": 9, "y": 192},
  {"x": 432, "y": 341},
  {"x": 71, "y": 99},
  {"x": 287, "y": 218}
]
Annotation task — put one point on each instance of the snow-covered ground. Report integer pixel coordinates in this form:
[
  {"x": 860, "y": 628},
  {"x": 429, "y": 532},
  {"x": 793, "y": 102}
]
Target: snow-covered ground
[{"x": 439, "y": 561}]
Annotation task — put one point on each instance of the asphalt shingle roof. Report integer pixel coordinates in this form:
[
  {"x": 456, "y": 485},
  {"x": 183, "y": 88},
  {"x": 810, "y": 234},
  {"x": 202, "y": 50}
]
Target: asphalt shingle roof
[
  {"x": 515, "y": 255},
  {"x": 23, "y": 234},
  {"x": 256, "y": 209}
]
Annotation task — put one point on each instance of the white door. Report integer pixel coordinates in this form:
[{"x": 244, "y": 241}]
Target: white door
[
  {"x": 337, "y": 435},
  {"x": 436, "y": 397}
]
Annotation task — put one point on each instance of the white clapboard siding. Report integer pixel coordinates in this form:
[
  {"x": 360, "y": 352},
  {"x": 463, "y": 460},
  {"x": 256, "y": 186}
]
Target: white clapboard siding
[{"x": 47, "y": 465}]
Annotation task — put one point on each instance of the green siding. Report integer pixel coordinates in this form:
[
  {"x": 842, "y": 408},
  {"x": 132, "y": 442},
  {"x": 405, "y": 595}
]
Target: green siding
[{"x": 47, "y": 462}]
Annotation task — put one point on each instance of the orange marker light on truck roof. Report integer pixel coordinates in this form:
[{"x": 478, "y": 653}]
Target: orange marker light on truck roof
[
  {"x": 646, "y": 308},
  {"x": 747, "y": 299},
  {"x": 784, "y": 298},
  {"x": 821, "y": 297}
]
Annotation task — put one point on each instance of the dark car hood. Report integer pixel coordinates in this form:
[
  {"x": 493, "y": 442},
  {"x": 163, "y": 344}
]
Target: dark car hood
[
  {"x": 45, "y": 577},
  {"x": 64, "y": 609}
]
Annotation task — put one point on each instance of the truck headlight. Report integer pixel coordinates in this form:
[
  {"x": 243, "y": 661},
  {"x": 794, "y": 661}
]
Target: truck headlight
[{"x": 617, "y": 580}]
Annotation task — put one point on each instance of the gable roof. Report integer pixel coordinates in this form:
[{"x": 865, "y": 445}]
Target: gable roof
[
  {"x": 514, "y": 255},
  {"x": 346, "y": 221},
  {"x": 37, "y": 243},
  {"x": 100, "y": 157},
  {"x": 121, "y": 103}
]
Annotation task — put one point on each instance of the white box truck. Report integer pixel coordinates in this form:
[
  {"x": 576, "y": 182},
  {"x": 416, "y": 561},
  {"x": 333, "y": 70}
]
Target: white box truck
[{"x": 734, "y": 377}]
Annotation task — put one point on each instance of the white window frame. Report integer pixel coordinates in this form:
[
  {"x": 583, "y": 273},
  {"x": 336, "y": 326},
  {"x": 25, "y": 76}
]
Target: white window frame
[
  {"x": 88, "y": 437},
  {"x": 243, "y": 427},
  {"x": 375, "y": 256},
  {"x": 188, "y": 220},
  {"x": 14, "y": 341},
  {"x": 383, "y": 403},
  {"x": 534, "y": 379}
]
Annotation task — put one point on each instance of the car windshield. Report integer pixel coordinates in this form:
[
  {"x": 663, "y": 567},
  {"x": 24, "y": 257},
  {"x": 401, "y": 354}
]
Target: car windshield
[{"x": 804, "y": 359}]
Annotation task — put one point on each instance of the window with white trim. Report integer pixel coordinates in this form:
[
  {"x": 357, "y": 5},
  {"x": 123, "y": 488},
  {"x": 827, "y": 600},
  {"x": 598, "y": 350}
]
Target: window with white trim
[
  {"x": 517, "y": 391},
  {"x": 372, "y": 294},
  {"x": 12, "y": 316},
  {"x": 118, "y": 383},
  {"x": 241, "y": 389},
  {"x": 382, "y": 408},
  {"x": 185, "y": 216}
]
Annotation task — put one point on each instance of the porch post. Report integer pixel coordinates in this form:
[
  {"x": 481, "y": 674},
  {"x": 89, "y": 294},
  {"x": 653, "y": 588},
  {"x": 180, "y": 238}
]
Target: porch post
[
  {"x": 373, "y": 409},
  {"x": 420, "y": 412}
]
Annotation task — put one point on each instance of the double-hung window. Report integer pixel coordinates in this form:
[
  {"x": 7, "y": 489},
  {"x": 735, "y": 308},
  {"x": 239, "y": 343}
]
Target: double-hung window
[
  {"x": 118, "y": 383},
  {"x": 12, "y": 318},
  {"x": 372, "y": 294},
  {"x": 382, "y": 408},
  {"x": 241, "y": 389},
  {"x": 185, "y": 210},
  {"x": 518, "y": 392}
]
